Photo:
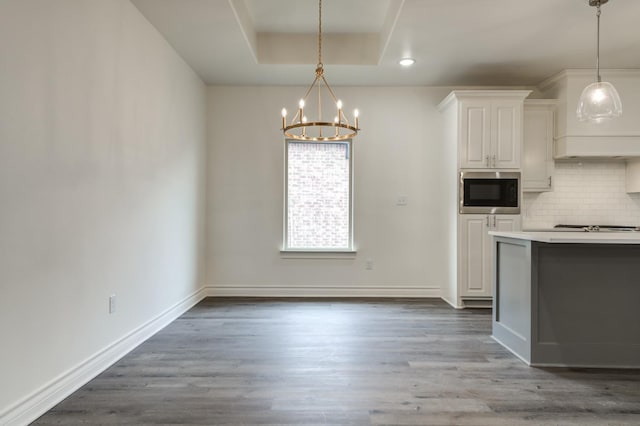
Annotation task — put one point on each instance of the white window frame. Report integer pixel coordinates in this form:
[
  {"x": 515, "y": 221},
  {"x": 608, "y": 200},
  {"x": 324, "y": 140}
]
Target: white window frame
[{"x": 329, "y": 251}]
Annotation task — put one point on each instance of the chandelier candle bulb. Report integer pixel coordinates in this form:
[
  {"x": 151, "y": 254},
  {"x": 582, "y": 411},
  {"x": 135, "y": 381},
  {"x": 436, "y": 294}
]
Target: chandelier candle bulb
[
  {"x": 301, "y": 110},
  {"x": 356, "y": 114},
  {"x": 284, "y": 118}
]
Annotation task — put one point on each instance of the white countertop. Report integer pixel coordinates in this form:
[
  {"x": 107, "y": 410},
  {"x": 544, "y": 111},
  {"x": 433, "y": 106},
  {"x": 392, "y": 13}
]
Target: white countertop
[{"x": 573, "y": 237}]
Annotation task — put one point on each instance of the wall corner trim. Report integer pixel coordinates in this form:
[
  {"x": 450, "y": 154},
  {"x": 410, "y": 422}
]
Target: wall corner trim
[{"x": 47, "y": 396}]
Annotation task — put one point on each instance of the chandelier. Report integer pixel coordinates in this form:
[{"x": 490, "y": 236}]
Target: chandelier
[
  {"x": 319, "y": 130},
  {"x": 600, "y": 100}
]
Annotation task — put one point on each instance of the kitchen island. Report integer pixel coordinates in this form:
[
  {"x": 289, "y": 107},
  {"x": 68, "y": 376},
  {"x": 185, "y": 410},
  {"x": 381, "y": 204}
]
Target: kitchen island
[{"x": 568, "y": 298}]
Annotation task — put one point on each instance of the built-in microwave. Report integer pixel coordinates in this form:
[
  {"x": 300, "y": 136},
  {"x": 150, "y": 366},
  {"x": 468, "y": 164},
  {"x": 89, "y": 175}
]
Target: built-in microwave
[{"x": 494, "y": 192}]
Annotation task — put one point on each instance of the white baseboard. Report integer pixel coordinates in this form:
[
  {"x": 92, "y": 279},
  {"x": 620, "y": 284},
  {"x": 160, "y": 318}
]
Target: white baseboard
[
  {"x": 321, "y": 291},
  {"x": 50, "y": 394},
  {"x": 453, "y": 305}
]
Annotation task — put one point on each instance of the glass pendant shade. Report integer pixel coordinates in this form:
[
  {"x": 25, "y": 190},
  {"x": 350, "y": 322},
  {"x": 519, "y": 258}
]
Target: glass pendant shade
[{"x": 599, "y": 101}]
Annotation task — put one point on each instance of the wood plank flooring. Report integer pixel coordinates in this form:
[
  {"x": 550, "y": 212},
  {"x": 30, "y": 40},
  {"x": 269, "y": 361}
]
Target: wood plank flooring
[{"x": 232, "y": 361}]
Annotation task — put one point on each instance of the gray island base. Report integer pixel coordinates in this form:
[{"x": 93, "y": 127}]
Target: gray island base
[{"x": 568, "y": 299}]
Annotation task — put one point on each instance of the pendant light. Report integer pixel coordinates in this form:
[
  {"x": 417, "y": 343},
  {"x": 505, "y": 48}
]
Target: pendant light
[
  {"x": 600, "y": 100},
  {"x": 318, "y": 130}
]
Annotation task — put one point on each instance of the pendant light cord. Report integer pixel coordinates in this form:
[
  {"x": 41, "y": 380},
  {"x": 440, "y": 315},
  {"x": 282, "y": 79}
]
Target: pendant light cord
[{"x": 599, "y": 79}]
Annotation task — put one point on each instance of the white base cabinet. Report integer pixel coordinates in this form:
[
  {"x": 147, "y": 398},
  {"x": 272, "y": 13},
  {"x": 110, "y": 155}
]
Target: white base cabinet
[{"x": 475, "y": 255}]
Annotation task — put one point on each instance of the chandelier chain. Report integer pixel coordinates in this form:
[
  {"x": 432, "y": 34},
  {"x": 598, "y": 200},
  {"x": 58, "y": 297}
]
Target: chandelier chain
[{"x": 319, "y": 33}]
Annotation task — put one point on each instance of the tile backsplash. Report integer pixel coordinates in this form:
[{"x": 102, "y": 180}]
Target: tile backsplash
[{"x": 587, "y": 192}]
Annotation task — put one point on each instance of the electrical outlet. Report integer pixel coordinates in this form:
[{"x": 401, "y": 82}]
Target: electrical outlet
[
  {"x": 368, "y": 264},
  {"x": 112, "y": 303},
  {"x": 403, "y": 200}
]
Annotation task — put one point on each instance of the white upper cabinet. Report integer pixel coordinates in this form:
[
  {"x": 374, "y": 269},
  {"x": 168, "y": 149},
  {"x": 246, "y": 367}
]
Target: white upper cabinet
[
  {"x": 491, "y": 134},
  {"x": 537, "y": 150},
  {"x": 475, "y": 134},
  {"x": 489, "y": 127},
  {"x": 506, "y": 134}
]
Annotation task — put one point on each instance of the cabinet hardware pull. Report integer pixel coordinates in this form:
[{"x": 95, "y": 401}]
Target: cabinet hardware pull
[
  {"x": 486, "y": 160},
  {"x": 494, "y": 161},
  {"x": 487, "y": 221},
  {"x": 494, "y": 221},
  {"x": 549, "y": 181}
]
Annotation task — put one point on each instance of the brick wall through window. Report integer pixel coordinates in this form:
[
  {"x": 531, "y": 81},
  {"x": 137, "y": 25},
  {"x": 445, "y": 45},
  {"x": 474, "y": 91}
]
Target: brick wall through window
[{"x": 318, "y": 195}]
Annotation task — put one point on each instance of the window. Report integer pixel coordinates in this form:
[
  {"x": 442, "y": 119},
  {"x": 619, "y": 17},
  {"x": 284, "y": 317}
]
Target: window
[{"x": 318, "y": 207}]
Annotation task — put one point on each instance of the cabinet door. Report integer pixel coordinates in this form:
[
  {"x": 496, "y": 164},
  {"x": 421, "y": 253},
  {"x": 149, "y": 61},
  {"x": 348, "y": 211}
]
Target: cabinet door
[
  {"x": 475, "y": 132},
  {"x": 506, "y": 134},
  {"x": 473, "y": 256},
  {"x": 476, "y": 251},
  {"x": 506, "y": 223},
  {"x": 537, "y": 158}
]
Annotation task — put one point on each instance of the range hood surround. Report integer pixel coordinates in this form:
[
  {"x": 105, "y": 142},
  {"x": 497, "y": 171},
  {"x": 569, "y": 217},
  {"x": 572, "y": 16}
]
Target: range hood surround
[{"x": 618, "y": 138}]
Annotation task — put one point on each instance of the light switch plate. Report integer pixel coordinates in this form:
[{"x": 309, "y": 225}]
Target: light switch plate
[{"x": 112, "y": 303}]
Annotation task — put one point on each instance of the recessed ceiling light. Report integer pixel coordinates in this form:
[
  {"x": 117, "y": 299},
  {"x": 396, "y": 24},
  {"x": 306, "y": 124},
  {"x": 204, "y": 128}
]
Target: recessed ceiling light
[{"x": 407, "y": 62}]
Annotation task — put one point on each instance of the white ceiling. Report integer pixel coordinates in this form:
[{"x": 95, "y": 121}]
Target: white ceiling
[
  {"x": 455, "y": 42},
  {"x": 301, "y": 16}
]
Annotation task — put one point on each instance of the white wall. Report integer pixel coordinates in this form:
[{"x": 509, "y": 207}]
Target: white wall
[
  {"x": 102, "y": 147},
  {"x": 399, "y": 152},
  {"x": 585, "y": 192}
]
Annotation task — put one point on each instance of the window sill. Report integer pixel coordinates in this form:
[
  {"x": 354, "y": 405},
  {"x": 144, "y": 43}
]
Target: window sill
[{"x": 319, "y": 254}]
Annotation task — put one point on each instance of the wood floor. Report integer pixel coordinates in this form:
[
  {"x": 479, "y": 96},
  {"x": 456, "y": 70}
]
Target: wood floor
[{"x": 346, "y": 362}]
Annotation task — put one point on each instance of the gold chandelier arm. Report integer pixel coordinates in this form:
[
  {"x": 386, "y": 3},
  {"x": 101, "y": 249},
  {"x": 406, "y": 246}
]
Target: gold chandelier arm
[
  {"x": 329, "y": 89},
  {"x": 335, "y": 99},
  {"x": 315, "y": 80},
  {"x": 320, "y": 103},
  {"x": 306, "y": 95}
]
